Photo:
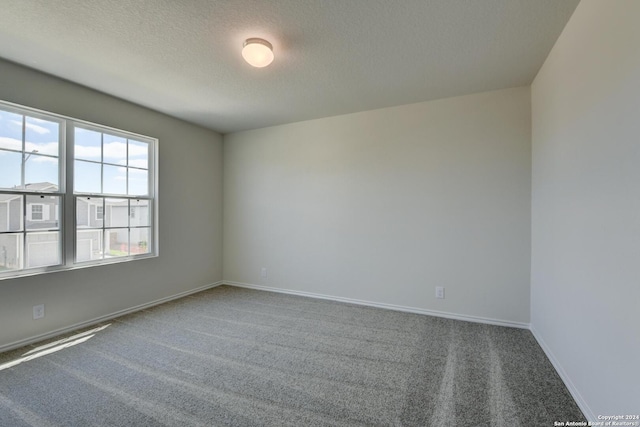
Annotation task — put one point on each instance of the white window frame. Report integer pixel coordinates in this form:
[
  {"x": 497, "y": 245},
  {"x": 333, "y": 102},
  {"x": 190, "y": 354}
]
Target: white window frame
[
  {"x": 100, "y": 213},
  {"x": 151, "y": 195},
  {"x": 67, "y": 208}
]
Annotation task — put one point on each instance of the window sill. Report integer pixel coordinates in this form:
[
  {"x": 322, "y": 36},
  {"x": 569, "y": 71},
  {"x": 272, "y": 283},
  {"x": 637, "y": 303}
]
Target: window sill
[{"x": 8, "y": 275}]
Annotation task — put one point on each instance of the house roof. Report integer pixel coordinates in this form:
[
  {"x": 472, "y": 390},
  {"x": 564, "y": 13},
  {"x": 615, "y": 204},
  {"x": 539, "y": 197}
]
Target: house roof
[
  {"x": 40, "y": 186},
  {"x": 36, "y": 186}
]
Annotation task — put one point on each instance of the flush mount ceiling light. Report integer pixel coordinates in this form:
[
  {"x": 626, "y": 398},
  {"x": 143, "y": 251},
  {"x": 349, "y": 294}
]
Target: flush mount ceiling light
[{"x": 257, "y": 52}]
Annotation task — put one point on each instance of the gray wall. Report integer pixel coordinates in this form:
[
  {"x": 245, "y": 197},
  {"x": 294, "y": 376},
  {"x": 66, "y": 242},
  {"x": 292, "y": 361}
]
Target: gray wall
[
  {"x": 384, "y": 205},
  {"x": 190, "y": 175},
  {"x": 585, "y": 275}
]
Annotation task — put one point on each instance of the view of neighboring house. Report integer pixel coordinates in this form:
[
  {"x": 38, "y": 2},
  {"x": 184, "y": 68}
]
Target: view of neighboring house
[
  {"x": 119, "y": 220},
  {"x": 41, "y": 222},
  {"x": 104, "y": 228}
]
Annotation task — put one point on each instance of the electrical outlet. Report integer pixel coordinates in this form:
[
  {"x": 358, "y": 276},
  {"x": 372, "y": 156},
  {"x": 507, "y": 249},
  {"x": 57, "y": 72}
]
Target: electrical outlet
[
  {"x": 38, "y": 311},
  {"x": 263, "y": 272},
  {"x": 440, "y": 292}
]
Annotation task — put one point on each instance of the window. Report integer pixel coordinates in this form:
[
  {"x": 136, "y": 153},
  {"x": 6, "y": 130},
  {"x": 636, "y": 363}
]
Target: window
[
  {"x": 109, "y": 205},
  {"x": 37, "y": 212},
  {"x": 114, "y": 168}
]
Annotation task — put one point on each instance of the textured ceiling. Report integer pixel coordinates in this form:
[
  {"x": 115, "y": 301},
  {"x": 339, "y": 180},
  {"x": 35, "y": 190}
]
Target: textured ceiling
[{"x": 182, "y": 57}]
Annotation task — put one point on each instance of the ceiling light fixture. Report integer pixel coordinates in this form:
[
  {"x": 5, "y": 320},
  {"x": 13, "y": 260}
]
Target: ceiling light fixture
[{"x": 257, "y": 52}]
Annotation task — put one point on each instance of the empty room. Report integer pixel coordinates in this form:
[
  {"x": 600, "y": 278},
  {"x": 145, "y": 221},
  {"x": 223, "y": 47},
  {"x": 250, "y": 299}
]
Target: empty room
[{"x": 319, "y": 213}]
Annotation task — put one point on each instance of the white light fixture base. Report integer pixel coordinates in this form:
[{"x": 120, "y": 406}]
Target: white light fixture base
[{"x": 257, "y": 52}]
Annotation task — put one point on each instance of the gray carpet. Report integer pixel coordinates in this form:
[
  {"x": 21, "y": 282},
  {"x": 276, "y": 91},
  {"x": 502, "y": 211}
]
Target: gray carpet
[{"x": 238, "y": 357}]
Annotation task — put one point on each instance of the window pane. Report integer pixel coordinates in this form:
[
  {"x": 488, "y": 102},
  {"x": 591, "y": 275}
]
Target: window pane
[
  {"x": 87, "y": 177},
  {"x": 117, "y": 212},
  {"x": 41, "y": 170},
  {"x": 115, "y": 180},
  {"x": 89, "y": 212},
  {"x": 43, "y": 249},
  {"x": 10, "y": 212},
  {"x": 43, "y": 212},
  {"x": 88, "y": 144},
  {"x": 41, "y": 136},
  {"x": 139, "y": 213},
  {"x": 138, "y": 154},
  {"x": 138, "y": 182},
  {"x": 115, "y": 149},
  {"x": 88, "y": 245},
  {"x": 140, "y": 242},
  {"x": 116, "y": 242},
  {"x": 10, "y": 165},
  {"x": 10, "y": 130},
  {"x": 10, "y": 252}
]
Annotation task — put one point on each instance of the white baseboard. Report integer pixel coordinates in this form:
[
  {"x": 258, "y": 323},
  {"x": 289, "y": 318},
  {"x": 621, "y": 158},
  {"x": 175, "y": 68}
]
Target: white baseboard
[
  {"x": 51, "y": 334},
  {"x": 415, "y": 310},
  {"x": 582, "y": 404}
]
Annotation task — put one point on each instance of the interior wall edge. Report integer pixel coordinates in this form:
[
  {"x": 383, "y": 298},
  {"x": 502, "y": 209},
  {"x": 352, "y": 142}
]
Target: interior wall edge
[
  {"x": 582, "y": 404},
  {"x": 96, "y": 320},
  {"x": 405, "y": 309}
]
